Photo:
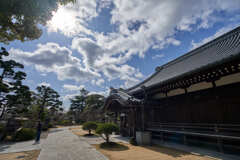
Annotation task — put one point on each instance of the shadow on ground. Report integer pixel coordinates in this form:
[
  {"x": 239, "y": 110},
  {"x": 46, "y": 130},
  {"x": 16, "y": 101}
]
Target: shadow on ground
[
  {"x": 4, "y": 147},
  {"x": 55, "y": 130},
  {"x": 90, "y": 136},
  {"x": 169, "y": 151},
  {"x": 112, "y": 146}
]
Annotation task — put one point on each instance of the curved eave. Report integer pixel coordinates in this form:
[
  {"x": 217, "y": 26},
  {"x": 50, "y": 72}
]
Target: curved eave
[
  {"x": 112, "y": 100},
  {"x": 201, "y": 51},
  {"x": 202, "y": 69}
]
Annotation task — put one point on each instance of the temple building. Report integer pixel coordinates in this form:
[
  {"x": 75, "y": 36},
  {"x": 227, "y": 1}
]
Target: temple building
[{"x": 193, "y": 100}]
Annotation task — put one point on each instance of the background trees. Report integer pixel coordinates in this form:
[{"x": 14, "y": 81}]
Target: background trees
[
  {"x": 85, "y": 107},
  {"x": 47, "y": 97},
  {"x": 78, "y": 103},
  {"x": 95, "y": 100},
  {"x": 21, "y": 19},
  {"x": 14, "y": 96}
]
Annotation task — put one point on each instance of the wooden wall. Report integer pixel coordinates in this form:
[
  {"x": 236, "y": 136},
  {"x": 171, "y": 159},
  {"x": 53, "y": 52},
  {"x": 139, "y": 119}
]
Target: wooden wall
[{"x": 214, "y": 105}]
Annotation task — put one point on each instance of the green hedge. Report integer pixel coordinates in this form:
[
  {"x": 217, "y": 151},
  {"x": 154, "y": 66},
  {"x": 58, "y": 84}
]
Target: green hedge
[
  {"x": 65, "y": 123},
  {"x": 25, "y": 134},
  {"x": 90, "y": 126}
]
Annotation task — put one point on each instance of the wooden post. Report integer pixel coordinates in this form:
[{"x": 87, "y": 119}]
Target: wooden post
[
  {"x": 219, "y": 140},
  {"x": 143, "y": 118}
]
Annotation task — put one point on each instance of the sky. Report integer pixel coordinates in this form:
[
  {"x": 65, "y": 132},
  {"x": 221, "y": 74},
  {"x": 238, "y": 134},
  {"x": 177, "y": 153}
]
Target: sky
[{"x": 95, "y": 44}]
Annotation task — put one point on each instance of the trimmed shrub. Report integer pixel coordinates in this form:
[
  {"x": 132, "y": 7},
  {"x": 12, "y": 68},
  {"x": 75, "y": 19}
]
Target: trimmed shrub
[
  {"x": 133, "y": 141},
  {"x": 90, "y": 126},
  {"x": 44, "y": 127},
  {"x": 106, "y": 129},
  {"x": 25, "y": 134},
  {"x": 29, "y": 124},
  {"x": 65, "y": 123},
  {"x": 50, "y": 125}
]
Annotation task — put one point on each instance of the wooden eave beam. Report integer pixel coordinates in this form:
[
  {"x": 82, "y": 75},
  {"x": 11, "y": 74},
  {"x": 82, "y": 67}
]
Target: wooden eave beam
[{"x": 207, "y": 76}]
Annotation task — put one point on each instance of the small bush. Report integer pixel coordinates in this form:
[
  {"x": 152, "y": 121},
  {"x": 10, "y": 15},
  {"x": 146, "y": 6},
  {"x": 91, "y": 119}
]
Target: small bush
[
  {"x": 44, "y": 127},
  {"x": 29, "y": 124},
  {"x": 90, "y": 126},
  {"x": 106, "y": 129},
  {"x": 65, "y": 123},
  {"x": 25, "y": 134},
  {"x": 133, "y": 141},
  {"x": 50, "y": 125}
]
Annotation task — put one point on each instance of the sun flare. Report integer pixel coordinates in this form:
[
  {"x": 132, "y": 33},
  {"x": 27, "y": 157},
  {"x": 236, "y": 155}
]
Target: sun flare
[{"x": 62, "y": 19}]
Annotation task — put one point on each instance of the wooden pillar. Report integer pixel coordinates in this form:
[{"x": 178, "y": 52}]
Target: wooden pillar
[
  {"x": 184, "y": 136},
  {"x": 134, "y": 123},
  {"x": 143, "y": 118},
  {"x": 219, "y": 140},
  {"x": 115, "y": 118}
]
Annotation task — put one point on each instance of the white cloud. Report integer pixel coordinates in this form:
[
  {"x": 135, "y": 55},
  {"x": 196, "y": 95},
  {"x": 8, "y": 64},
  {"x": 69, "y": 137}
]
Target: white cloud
[
  {"x": 51, "y": 57},
  {"x": 156, "y": 21},
  {"x": 44, "y": 84},
  {"x": 217, "y": 34},
  {"x": 101, "y": 59},
  {"x": 143, "y": 25},
  {"x": 104, "y": 93},
  {"x": 70, "y": 87},
  {"x": 140, "y": 25},
  {"x": 90, "y": 51},
  {"x": 98, "y": 82},
  {"x": 69, "y": 96},
  {"x": 158, "y": 56}
]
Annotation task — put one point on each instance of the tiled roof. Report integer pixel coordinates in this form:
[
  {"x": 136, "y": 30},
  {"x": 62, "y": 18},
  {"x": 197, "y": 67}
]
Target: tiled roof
[
  {"x": 222, "y": 48},
  {"x": 122, "y": 98}
]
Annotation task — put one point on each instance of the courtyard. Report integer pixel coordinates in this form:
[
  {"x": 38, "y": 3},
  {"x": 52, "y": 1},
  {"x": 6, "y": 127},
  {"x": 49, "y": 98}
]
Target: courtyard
[{"x": 71, "y": 143}]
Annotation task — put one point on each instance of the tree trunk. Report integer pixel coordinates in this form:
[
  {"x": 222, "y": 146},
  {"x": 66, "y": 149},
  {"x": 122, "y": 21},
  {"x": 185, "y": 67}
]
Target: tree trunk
[
  {"x": 40, "y": 112},
  {"x": 3, "y": 111},
  {"x": 89, "y": 131},
  {"x": 107, "y": 138}
]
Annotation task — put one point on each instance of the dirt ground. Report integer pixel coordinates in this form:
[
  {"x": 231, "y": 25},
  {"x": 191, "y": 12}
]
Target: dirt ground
[
  {"x": 130, "y": 152},
  {"x": 76, "y": 128},
  {"x": 79, "y": 132},
  {"x": 28, "y": 155}
]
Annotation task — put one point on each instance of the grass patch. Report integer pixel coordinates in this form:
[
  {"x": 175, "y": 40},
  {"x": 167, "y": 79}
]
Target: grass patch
[{"x": 113, "y": 146}]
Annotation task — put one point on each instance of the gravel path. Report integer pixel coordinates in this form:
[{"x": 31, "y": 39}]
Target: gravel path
[{"x": 62, "y": 144}]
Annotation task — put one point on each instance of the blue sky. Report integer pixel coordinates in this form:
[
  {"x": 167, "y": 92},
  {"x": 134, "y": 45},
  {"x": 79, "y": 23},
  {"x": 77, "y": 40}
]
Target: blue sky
[{"x": 96, "y": 44}]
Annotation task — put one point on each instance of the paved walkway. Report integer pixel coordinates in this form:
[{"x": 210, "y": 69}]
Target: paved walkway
[{"x": 62, "y": 144}]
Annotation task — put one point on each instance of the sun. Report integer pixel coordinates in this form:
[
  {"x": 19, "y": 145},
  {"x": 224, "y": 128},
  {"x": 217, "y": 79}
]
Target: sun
[{"x": 62, "y": 19}]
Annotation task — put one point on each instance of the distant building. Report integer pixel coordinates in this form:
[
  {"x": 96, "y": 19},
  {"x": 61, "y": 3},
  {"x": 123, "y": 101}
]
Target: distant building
[{"x": 194, "y": 99}]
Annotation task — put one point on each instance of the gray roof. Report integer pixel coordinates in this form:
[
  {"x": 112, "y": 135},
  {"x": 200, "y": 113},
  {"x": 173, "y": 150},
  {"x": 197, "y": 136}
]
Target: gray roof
[
  {"x": 215, "y": 51},
  {"x": 122, "y": 98},
  {"x": 119, "y": 94}
]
